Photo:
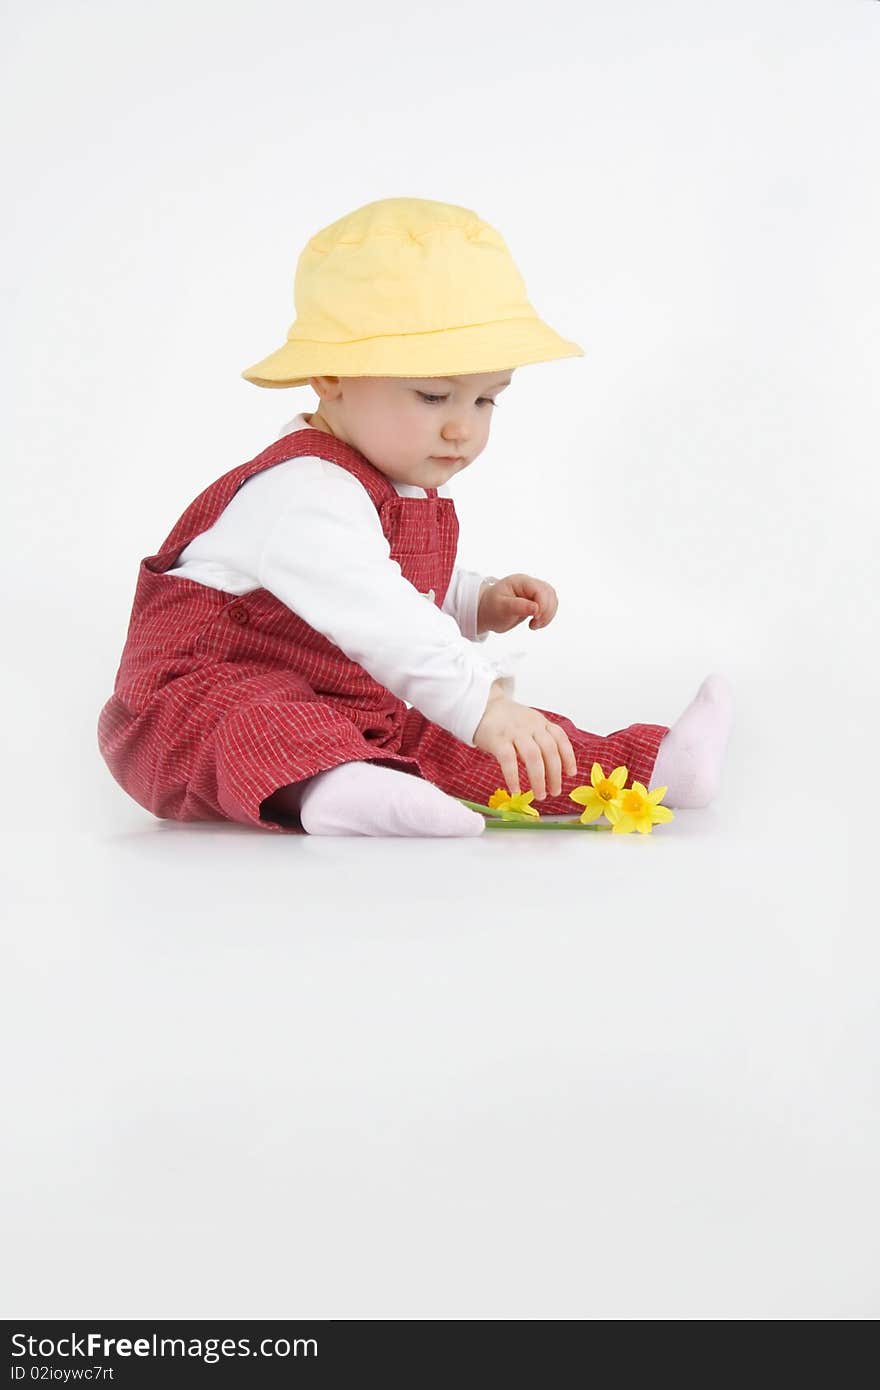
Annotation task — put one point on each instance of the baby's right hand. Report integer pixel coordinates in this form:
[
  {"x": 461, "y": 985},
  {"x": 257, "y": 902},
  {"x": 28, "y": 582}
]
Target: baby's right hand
[{"x": 508, "y": 729}]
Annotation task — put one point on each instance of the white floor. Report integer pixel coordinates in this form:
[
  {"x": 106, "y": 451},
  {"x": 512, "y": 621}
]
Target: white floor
[{"x": 512, "y": 1077}]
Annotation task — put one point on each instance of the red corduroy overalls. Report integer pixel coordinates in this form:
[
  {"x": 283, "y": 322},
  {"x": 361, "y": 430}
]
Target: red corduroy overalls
[{"x": 220, "y": 699}]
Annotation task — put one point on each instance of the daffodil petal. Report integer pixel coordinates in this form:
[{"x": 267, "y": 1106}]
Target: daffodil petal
[
  {"x": 618, "y": 777},
  {"x": 591, "y": 813},
  {"x": 662, "y": 814},
  {"x": 657, "y": 794}
]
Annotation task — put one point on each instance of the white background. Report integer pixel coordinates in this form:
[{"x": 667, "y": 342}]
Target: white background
[{"x": 578, "y": 1077}]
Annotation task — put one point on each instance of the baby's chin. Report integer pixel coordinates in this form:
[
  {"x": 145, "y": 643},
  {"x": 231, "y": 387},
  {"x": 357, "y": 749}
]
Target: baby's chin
[{"x": 427, "y": 474}]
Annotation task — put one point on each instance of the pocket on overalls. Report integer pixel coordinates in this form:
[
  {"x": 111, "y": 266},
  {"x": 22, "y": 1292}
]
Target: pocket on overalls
[{"x": 415, "y": 532}]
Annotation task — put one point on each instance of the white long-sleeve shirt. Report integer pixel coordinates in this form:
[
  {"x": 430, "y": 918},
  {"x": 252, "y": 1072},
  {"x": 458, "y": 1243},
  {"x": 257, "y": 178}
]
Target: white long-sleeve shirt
[{"x": 307, "y": 531}]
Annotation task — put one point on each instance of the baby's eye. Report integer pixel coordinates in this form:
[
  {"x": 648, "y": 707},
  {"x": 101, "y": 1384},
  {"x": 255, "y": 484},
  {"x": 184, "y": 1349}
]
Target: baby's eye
[{"x": 432, "y": 400}]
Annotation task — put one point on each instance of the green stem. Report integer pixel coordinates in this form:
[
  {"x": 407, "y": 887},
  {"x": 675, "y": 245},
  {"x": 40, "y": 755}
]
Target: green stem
[
  {"x": 496, "y": 823},
  {"x": 494, "y": 818}
]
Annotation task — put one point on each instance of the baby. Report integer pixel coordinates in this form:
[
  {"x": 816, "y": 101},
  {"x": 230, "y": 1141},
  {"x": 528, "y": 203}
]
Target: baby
[{"x": 303, "y": 652}]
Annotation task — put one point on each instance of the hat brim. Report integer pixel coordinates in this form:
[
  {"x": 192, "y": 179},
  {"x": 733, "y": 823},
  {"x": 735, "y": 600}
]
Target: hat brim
[{"x": 483, "y": 347}]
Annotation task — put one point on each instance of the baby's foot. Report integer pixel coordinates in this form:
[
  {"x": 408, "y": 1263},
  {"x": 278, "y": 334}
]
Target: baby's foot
[
  {"x": 690, "y": 756},
  {"x": 361, "y": 799}
]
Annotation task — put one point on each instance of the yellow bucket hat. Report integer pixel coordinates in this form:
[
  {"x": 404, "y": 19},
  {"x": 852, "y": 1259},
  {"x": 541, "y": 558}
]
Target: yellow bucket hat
[{"x": 408, "y": 287}]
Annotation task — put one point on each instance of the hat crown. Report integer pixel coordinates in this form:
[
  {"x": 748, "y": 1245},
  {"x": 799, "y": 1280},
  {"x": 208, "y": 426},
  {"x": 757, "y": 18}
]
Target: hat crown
[
  {"x": 408, "y": 287},
  {"x": 395, "y": 216},
  {"x": 404, "y": 265}
]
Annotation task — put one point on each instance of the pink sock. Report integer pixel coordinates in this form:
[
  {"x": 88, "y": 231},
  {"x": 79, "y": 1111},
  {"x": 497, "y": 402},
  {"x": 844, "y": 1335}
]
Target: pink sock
[
  {"x": 361, "y": 799},
  {"x": 691, "y": 754}
]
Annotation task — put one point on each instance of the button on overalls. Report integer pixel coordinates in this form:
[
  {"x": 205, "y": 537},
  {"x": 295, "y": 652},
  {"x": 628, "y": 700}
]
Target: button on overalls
[{"x": 220, "y": 699}]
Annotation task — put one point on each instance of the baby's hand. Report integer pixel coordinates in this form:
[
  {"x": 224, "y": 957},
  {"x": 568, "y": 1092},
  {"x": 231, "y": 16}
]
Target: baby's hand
[
  {"x": 508, "y": 729},
  {"x": 509, "y": 601}
]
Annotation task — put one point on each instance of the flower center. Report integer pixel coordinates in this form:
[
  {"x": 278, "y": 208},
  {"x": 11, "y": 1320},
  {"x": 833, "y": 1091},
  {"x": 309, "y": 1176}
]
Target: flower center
[{"x": 632, "y": 802}]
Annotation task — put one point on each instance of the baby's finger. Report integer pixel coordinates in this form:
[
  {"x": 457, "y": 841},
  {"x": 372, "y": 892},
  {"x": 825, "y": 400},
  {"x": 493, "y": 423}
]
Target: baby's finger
[
  {"x": 569, "y": 761},
  {"x": 546, "y": 606},
  {"x": 552, "y": 762},
  {"x": 523, "y": 608},
  {"x": 530, "y": 754},
  {"x": 506, "y": 758}
]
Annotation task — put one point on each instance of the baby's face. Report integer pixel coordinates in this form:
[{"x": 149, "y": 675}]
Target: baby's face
[{"x": 419, "y": 430}]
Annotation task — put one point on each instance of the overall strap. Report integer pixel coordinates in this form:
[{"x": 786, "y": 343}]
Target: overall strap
[{"x": 205, "y": 509}]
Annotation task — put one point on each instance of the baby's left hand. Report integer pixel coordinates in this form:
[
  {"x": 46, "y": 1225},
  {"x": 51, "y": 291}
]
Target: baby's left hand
[{"x": 510, "y": 601}]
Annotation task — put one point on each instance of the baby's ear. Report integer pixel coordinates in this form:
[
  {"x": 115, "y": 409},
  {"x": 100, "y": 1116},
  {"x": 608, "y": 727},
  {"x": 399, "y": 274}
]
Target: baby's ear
[{"x": 325, "y": 385}]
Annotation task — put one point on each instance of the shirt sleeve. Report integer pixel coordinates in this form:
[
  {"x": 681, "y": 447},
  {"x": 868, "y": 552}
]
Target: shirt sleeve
[
  {"x": 325, "y": 556},
  {"x": 462, "y": 601}
]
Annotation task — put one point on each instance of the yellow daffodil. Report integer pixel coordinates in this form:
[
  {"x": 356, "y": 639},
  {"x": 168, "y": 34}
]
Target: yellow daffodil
[
  {"x": 637, "y": 809},
  {"x": 513, "y": 807},
  {"x": 605, "y": 792}
]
